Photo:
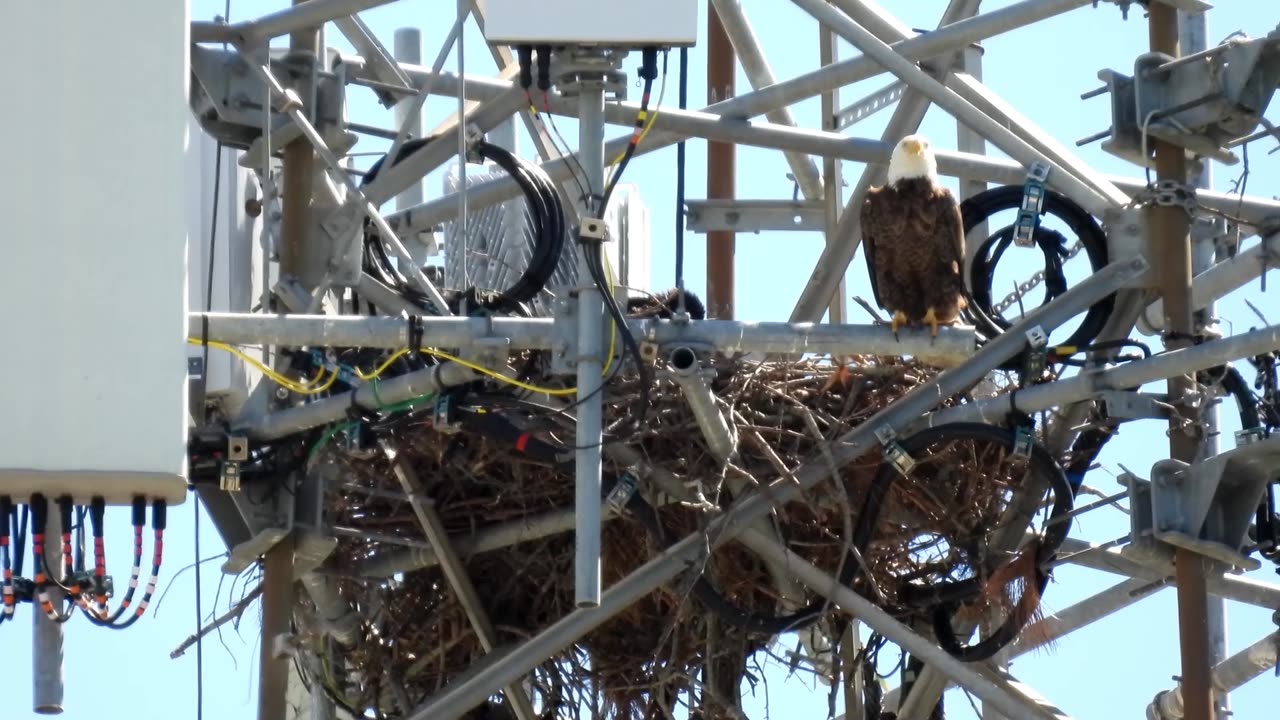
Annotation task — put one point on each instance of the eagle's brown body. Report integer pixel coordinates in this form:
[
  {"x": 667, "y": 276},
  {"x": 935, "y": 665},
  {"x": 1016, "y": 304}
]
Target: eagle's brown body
[{"x": 913, "y": 240}]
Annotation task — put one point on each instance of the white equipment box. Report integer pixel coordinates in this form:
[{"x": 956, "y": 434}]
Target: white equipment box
[
  {"x": 237, "y": 257},
  {"x": 94, "y": 278},
  {"x": 607, "y": 23}
]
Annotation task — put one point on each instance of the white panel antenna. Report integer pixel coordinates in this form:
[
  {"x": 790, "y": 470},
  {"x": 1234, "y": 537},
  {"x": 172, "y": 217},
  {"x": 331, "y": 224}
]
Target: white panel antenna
[
  {"x": 238, "y": 257},
  {"x": 96, "y": 398}
]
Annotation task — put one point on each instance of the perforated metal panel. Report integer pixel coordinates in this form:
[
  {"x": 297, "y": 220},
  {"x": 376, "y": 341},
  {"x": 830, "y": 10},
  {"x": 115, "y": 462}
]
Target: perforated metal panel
[{"x": 498, "y": 243}]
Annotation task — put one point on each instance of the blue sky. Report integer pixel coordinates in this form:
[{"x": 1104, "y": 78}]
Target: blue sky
[{"x": 1110, "y": 669}]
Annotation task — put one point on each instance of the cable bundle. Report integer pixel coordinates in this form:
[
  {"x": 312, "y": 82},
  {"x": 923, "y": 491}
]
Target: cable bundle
[
  {"x": 983, "y": 206},
  {"x": 88, "y": 591},
  {"x": 547, "y": 227}
]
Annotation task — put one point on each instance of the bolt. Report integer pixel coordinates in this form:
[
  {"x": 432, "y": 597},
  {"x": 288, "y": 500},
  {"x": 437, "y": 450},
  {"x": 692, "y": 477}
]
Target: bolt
[{"x": 282, "y": 394}]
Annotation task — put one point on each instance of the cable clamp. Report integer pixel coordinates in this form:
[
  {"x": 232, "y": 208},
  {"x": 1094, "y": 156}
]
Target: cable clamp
[
  {"x": 414, "y": 335},
  {"x": 229, "y": 476},
  {"x": 593, "y": 229},
  {"x": 1023, "y": 440},
  {"x": 1033, "y": 192},
  {"x": 442, "y": 415},
  {"x": 473, "y": 136},
  {"x": 1036, "y": 357},
  {"x": 621, "y": 493},
  {"x": 893, "y": 452}
]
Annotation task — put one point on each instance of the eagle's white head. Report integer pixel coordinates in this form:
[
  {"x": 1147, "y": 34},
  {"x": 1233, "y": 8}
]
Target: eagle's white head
[{"x": 912, "y": 158}]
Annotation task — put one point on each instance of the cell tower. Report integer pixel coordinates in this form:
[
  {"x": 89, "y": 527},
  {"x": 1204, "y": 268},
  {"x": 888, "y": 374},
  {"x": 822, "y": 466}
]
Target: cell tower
[{"x": 487, "y": 471}]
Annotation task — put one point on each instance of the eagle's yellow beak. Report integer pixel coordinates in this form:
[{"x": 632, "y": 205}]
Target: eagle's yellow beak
[{"x": 913, "y": 147}]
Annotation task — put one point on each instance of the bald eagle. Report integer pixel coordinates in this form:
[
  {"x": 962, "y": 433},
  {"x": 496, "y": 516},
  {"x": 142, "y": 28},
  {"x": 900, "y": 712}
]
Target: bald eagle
[{"x": 913, "y": 240}]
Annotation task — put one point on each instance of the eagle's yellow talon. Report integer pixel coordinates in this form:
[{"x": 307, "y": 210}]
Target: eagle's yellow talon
[
  {"x": 899, "y": 319},
  {"x": 932, "y": 321}
]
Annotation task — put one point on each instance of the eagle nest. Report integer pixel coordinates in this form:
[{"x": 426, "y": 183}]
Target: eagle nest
[{"x": 416, "y": 635}]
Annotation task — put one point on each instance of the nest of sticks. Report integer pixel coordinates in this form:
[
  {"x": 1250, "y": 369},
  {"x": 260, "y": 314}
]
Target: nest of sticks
[{"x": 417, "y": 635}]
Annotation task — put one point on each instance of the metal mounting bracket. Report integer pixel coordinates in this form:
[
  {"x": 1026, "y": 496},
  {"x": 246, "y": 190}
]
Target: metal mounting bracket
[
  {"x": 1206, "y": 507},
  {"x": 1033, "y": 190},
  {"x": 564, "y": 334},
  {"x": 229, "y": 100},
  {"x": 1204, "y": 102},
  {"x": 753, "y": 216},
  {"x": 1124, "y": 405},
  {"x": 893, "y": 452}
]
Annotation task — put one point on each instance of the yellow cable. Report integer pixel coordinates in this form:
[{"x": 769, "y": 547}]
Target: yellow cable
[
  {"x": 662, "y": 91},
  {"x": 308, "y": 388},
  {"x": 497, "y": 375},
  {"x": 613, "y": 324}
]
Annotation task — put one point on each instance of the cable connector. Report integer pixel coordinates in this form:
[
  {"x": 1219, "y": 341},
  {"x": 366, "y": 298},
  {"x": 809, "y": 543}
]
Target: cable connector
[
  {"x": 544, "y": 68},
  {"x": 893, "y": 452},
  {"x": 1033, "y": 192},
  {"x": 524, "y": 54},
  {"x": 593, "y": 229},
  {"x": 649, "y": 64}
]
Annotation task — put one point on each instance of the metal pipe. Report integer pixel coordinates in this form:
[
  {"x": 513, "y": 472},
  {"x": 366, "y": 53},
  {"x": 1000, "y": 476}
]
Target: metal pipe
[
  {"x": 1228, "y": 675},
  {"x": 407, "y": 48},
  {"x": 1220, "y": 280},
  {"x": 734, "y": 24},
  {"x": 1084, "y": 613},
  {"x": 971, "y": 142},
  {"x": 1090, "y": 198},
  {"x": 970, "y": 88},
  {"x": 686, "y": 371},
  {"x": 340, "y": 620},
  {"x": 1112, "y": 560},
  {"x": 779, "y": 137},
  {"x": 396, "y": 176},
  {"x": 46, "y": 635},
  {"x": 1005, "y": 697},
  {"x": 455, "y": 572},
  {"x": 1128, "y": 375},
  {"x": 590, "y": 411},
  {"x": 832, "y": 206},
  {"x": 331, "y": 409},
  {"x": 515, "y": 532},
  {"x": 848, "y": 72},
  {"x": 1193, "y": 37},
  {"x": 388, "y": 301},
  {"x": 829, "y": 272},
  {"x": 1068, "y": 620},
  {"x": 293, "y": 107},
  {"x": 465, "y": 694},
  {"x": 302, "y": 15},
  {"x": 727, "y": 336},
  {"x": 1169, "y": 240},
  {"x": 721, "y": 171},
  {"x": 277, "y": 563}
]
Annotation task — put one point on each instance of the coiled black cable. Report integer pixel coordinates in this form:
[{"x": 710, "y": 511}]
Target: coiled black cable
[
  {"x": 945, "y": 598},
  {"x": 546, "y": 219},
  {"x": 984, "y": 205},
  {"x": 1234, "y": 383},
  {"x": 716, "y": 603}
]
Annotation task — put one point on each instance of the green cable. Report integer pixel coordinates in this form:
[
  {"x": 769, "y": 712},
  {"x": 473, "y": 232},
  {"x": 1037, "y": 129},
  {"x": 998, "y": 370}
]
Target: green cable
[{"x": 336, "y": 428}]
